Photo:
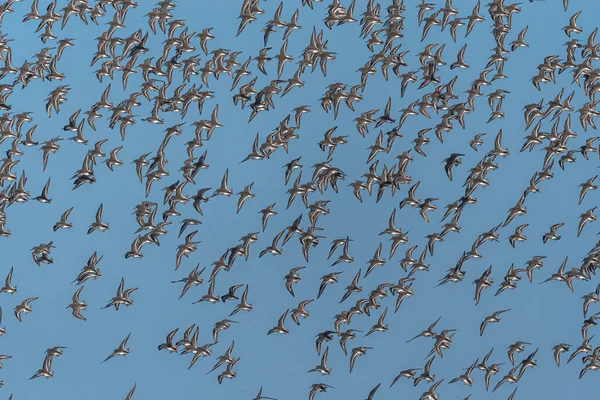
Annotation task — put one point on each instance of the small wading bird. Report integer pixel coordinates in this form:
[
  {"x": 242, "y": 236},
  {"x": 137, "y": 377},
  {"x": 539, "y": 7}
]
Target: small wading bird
[{"x": 180, "y": 181}]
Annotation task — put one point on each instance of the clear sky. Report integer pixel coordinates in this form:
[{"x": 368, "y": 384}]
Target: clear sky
[{"x": 544, "y": 315}]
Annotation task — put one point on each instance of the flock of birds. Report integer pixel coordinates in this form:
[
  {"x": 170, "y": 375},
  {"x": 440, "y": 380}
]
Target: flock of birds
[{"x": 382, "y": 28}]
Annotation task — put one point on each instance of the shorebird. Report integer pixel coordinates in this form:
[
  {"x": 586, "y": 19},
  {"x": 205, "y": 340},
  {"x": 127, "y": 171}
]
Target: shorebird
[
  {"x": 193, "y": 279},
  {"x": 375, "y": 261},
  {"x": 482, "y": 282},
  {"x": 353, "y": 287},
  {"x": 219, "y": 326},
  {"x": 273, "y": 249},
  {"x": 113, "y": 161},
  {"x": 300, "y": 311},
  {"x": 558, "y": 349},
  {"x": 122, "y": 296},
  {"x": 292, "y": 278},
  {"x": 379, "y": 326},
  {"x": 466, "y": 377},
  {"x": 77, "y": 305},
  {"x": 516, "y": 347},
  {"x": 587, "y": 186},
  {"x": 131, "y": 392},
  {"x": 259, "y": 396},
  {"x": 63, "y": 223},
  {"x": 243, "y": 305},
  {"x": 322, "y": 367},
  {"x": 168, "y": 345},
  {"x": 119, "y": 351},
  {"x": 318, "y": 388},
  {"x": 98, "y": 224},
  {"x": 491, "y": 319},
  {"x": 245, "y": 195},
  {"x": 43, "y": 198},
  {"x": 223, "y": 190},
  {"x": 45, "y": 371},
  {"x": 572, "y": 27},
  {"x": 326, "y": 280},
  {"x": 225, "y": 358},
  {"x": 587, "y": 216},
  {"x": 518, "y": 236},
  {"x": 8, "y": 287},
  {"x": 512, "y": 377},
  {"x": 552, "y": 235},
  {"x": 279, "y": 328},
  {"x": 357, "y": 352},
  {"x": 24, "y": 308},
  {"x": 266, "y": 214}
]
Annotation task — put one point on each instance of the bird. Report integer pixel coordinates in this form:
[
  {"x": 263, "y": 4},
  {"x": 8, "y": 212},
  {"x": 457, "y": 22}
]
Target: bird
[
  {"x": 518, "y": 236},
  {"x": 119, "y": 351},
  {"x": 168, "y": 345},
  {"x": 558, "y": 349},
  {"x": 292, "y": 278},
  {"x": 427, "y": 332},
  {"x": 221, "y": 325},
  {"x": 98, "y": 224},
  {"x": 451, "y": 161},
  {"x": 373, "y": 391},
  {"x": 245, "y": 195},
  {"x": 273, "y": 249},
  {"x": 243, "y": 305},
  {"x": 460, "y": 60},
  {"x": 45, "y": 371},
  {"x": 322, "y": 367},
  {"x": 353, "y": 287},
  {"x": 325, "y": 336},
  {"x": 24, "y": 308},
  {"x": 8, "y": 286},
  {"x": 572, "y": 27},
  {"x": 560, "y": 274},
  {"x": 266, "y": 214},
  {"x": 187, "y": 72},
  {"x": 187, "y": 222},
  {"x": 43, "y": 198},
  {"x": 122, "y": 296},
  {"x": 427, "y": 206},
  {"x": 63, "y": 223},
  {"x": 520, "y": 42},
  {"x": 326, "y": 280},
  {"x": 588, "y": 216},
  {"x": 379, "y": 326},
  {"x": 476, "y": 141},
  {"x": 279, "y": 328},
  {"x": 376, "y": 260},
  {"x": 482, "y": 282},
  {"x": 552, "y": 235},
  {"x": 586, "y": 186},
  {"x": 131, "y": 392},
  {"x": 77, "y": 305},
  {"x": 230, "y": 295},
  {"x": 357, "y": 352},
  {"x": 223, "y": 190},
  {"x": 516, "y": 347},
  {"x": 498, "y": 150},
  {"x": 430, "y": 394},
  {"x": 491, "y": 319},
  {"x": 113, "y": 161},
  {"x": 466, "y": 377},
  {"x": 317, "y": 388},
  {"x": 300, "y": 311},
  {"x": 259, "y": 396},
  {"x": 512, "y": 377}
]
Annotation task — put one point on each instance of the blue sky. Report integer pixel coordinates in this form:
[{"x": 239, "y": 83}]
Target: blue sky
[{"x": 544, "y": 315}]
